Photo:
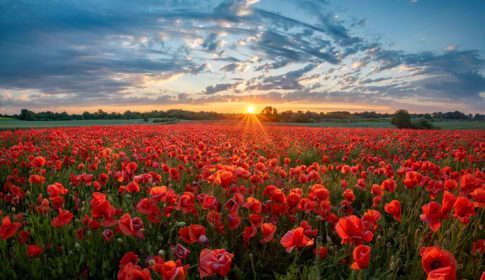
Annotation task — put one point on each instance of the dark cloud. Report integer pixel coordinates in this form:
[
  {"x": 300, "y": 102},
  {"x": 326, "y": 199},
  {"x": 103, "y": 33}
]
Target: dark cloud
[{"x": 218, "y": 88}]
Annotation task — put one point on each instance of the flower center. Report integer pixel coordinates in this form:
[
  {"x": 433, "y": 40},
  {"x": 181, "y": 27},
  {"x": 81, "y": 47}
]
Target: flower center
[{"x": 435, "y": 264}]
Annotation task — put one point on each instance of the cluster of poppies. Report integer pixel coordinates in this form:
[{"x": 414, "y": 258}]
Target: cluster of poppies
[{"x": 198, "y": 200}]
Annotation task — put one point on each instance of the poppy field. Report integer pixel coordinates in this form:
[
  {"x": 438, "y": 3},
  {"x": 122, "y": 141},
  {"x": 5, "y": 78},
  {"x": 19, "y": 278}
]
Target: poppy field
[{"x": 248, "y": 201}]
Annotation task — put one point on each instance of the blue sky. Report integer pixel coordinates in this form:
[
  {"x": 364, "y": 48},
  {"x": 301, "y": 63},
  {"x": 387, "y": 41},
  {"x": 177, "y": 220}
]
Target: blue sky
[{"x": 327, "y": 55}]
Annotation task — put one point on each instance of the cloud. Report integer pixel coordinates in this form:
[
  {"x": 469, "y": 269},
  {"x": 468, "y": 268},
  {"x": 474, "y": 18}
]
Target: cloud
[
  {"x": 196, "y": 52},
  {"x": 218, "y": 88}
]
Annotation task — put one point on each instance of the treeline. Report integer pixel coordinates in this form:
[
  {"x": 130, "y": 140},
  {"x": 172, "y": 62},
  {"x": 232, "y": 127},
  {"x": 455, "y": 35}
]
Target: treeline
[
  {"x": 271, "y": 114},
  {"x": 28, "y": 115},
  {"x": 268, "y": 113}
]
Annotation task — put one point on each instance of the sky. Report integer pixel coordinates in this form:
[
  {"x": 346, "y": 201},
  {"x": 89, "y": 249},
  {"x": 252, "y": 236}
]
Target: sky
[{"x": 223, "y": 56}]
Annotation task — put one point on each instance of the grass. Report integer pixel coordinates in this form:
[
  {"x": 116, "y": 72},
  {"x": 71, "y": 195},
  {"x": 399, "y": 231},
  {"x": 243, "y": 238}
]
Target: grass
[
  {"x": 474, "y": 125},
  {"x": 478, "y": 125},
  {"x": 18, "y": 124}
]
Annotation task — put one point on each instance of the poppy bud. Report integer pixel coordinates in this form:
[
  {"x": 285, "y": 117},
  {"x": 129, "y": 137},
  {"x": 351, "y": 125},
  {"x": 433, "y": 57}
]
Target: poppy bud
[
  {"x": 203, "y": 239},
  {"x": 77, "y": 245},
  {"x": 13, "y": 209},
  {"x": 250, "y": 255},
  {"x": 119, "y": 240},
  {"x": 152, "y": 262},
  {"x": 181, "y": 224},
  {"x": 161, "y": 253}
]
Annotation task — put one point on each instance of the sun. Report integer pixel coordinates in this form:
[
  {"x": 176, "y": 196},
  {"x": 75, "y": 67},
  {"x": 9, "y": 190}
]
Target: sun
[{"x": 251, "y": 110}]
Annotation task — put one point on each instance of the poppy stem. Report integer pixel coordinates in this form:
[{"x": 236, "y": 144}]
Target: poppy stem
[{"x": 252, "y": 266}]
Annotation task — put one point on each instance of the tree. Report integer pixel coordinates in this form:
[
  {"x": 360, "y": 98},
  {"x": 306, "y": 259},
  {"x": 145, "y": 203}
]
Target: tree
[
  {"x": 401, "y": 119},
  {"x": 26, "y": 115},
  {"x": 269, "y": 114}
]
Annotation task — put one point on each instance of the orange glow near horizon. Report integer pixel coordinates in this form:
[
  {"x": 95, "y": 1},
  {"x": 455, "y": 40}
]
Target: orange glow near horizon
[{"x": 222, "y": 107}]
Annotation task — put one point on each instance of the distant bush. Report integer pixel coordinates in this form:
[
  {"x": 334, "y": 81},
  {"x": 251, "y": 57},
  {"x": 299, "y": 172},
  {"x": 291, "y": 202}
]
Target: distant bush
[
  {"x": 422, "y": 123},
  {"x": 164, "y": 120}
]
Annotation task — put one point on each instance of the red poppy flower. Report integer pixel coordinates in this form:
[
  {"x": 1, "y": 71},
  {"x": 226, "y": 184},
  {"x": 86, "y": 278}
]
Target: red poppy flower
[
  {"x": 107, "y": 234},
  {"x": 131, "y": 271},
  {"x": 464, "y": 209},
  {"x": 478, "y": 247},
  {"x": 131, "y": 226},
  {"x": 253, "y": 204},
  {"x": 158, "y": 193},
  {"x": 129, "y": 257},
  {"x": 186, "y": 203},
  {"x": 450, "y": 184},
  {"x": 39, "y": 162},
  {"x": 442, "y": 273},
  {"x": 64, "y": 218},
  {"x": 394, "y": 208},
  {"x": 212, "y": 262},
  {"x": 36, "y": 179},
  {"x": 295, "y": 238},
  {"x": 431, "y": 215},
  {"x": 318, "y": 191},
  {"x": 412, "y": 179},
  {"x": 209, "y": 202},
  {"x": 361, "y": 257},
  {"x": 234, "y": 221},
  {"x": 349, "y": 195},
  {"x": 249, "y": 232},
  {"x": 268, "y": 230},
  {"x": 389, "y": 185},
  {"x": 479, "y": 196},
  {"x": 145, "y": 206},
  {"x": 44, "y": 207},
  {"x": 322, "y": 252},
  {"x": 171, "y": 270},
  {"x": 226, "y": 178},
  {"x": 370, "y": 219},
  {"x": 447, "y": 204},
  {"x": 133, "y": 187},
  {"x": 8, "y": 229},
  {"x": 180, "y": 251},
  {"x": 33, "y": 251},
  {"x": 193, "y": 234},
  {"x": 351, "y": 230},
  {"x": 434, "y": 258},
  {"x": 23, "y": 236}
]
